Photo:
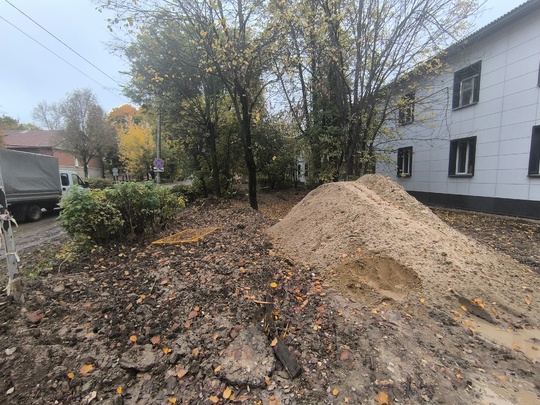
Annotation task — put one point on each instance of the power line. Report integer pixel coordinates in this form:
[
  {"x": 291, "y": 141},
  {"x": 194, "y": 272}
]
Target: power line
[
  {"x": 59, "y": 57},
  {"x": 62, "y": 42}
]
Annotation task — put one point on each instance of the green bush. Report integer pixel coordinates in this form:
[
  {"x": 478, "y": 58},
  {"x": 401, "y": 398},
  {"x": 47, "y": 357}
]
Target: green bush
[
  {"x": 100, "y": 216},
  {"x": 145, "y": 207},
  {"x": 99, "y": 184},
  {"x": 188, "y": 193},
  {"x": 88, "y": 214}
]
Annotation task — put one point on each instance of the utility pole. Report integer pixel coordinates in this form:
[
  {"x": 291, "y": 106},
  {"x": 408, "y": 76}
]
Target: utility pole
[{"x": 158, "y": 144}]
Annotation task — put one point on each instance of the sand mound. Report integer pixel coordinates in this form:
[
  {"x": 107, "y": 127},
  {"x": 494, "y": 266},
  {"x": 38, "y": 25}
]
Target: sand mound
[{"x": 379, "y": 243}]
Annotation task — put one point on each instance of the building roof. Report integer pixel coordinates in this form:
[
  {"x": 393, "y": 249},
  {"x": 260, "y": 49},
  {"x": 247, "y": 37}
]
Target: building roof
[
  {"x": 496, "y": 25},
  {"x": 32, "y": 138}
]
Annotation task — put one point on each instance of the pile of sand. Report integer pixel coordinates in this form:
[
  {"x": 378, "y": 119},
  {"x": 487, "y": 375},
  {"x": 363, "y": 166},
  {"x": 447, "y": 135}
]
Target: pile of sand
[{"x": 378, "y": 243}]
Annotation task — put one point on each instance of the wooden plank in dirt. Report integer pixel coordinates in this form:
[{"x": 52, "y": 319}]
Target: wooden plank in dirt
[
  {"x": 281, "y": 350},
  {"x": 286, "y": 358}
]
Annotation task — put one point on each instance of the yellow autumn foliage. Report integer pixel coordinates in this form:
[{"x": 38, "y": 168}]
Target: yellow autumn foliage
[{"x": 137, "y": 147}]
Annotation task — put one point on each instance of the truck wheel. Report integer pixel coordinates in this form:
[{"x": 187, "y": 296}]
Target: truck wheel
[
  {"x": 18, "y": 212},
  {"x": 33, "y": 213}
]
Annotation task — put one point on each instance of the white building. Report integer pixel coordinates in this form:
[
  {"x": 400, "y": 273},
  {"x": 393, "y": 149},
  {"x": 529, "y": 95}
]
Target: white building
[{"x": 470, "y": 136}]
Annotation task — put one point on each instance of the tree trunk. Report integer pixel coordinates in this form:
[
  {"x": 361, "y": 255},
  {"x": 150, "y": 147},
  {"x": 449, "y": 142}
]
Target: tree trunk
[
  {"x": 248, "y": 149},
  {"x": 211, "y": 127}
]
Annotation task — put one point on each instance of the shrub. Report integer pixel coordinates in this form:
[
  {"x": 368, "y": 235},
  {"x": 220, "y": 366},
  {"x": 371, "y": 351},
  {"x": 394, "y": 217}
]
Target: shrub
[
  {"x": 88, "y": 213},
  {"x": 188, "y": 193},
  {"x": 100, "y": 216},
  {"x": 145, "y": 207},
  {"x": 99, "y": 184}
]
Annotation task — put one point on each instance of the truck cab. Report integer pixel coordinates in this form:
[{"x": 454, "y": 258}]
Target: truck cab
[{"x": 68, "y": 178}]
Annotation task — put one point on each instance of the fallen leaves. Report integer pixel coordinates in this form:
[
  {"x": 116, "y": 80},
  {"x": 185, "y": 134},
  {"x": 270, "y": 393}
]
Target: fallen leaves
[
  {"x": 86, "y": 369},
  {"x": 382, "y": 398},
  {"x": 180, "y": 371},
  {"x": 227, "y": 393}
]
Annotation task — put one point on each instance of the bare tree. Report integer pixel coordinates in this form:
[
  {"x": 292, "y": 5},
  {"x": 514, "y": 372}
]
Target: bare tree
[
  {"x": 48, "y": 115},
  {"x": 87, "y": 132},
  {"x": 340, "y": 62}
]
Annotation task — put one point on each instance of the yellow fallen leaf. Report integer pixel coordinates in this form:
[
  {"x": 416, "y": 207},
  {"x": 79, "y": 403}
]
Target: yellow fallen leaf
[
  {"x": 133, "y": 338},
  {"x": 119, "y": 390},
  {"x": 214, "y": 399},
  {"x": 335, "y": 392},
  {"x": 346, "y": 400},
  {"x": 227, "y": 393},
  {"x": 381, "y": 398},
  {"x": 273, "y": 285},
  {"x": 274, "y": 342},
  {"x": 71, "y": 376},
  {"x": 463, "y": 307},
  {"x": 172, "y": 400},
  {"x": 180, "y": 373},
  {"x": 166, "y": 350},
  {"x": 422, "y": 300},
  {"x": 86, "y": 369},
  {"x": 217, "y": 369}
]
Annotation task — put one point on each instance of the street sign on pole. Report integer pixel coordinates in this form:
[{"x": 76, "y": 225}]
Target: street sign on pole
[{"x": 159, "y": 165}]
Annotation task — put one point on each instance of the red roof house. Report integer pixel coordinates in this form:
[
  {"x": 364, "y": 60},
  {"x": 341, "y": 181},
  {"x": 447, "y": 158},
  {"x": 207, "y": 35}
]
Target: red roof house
[{"x": 49, "y": 143}]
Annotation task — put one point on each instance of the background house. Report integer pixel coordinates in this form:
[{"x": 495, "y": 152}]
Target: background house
[
  {"x": 50, "y": 143},
  {"x": 469, "y": 136}
]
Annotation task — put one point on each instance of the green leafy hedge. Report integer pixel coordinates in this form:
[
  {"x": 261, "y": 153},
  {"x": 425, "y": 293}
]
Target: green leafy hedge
[
  {"x": 126, "y": 209},
  {"x": 87, "y": 214}
]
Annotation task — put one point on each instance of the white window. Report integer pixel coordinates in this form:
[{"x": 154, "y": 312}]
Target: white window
[
  {"x": 534, "y": 156},
  {"x": 404, "y": 162},
  {"x": 406, "y": 109},
  {"x": 462, "y": 154},
  {"x": 467, "y": 86}
]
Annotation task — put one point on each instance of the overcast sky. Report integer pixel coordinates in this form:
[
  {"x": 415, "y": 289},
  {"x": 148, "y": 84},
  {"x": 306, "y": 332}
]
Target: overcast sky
[{"x": 29, "y": 73}]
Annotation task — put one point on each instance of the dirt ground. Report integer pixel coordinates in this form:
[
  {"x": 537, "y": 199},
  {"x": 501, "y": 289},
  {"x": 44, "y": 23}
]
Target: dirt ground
[{"x": 379, "y": 299}]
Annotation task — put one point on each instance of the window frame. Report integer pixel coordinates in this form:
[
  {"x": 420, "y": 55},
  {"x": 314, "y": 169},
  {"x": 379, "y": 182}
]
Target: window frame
[
  {"x": 406, "y": 109},
  {"x": 460, "y": 157},
  {"x": 404, "y": 157},
  {"x": 468, "y": 74},
  {"x": 534, "y": 153}
]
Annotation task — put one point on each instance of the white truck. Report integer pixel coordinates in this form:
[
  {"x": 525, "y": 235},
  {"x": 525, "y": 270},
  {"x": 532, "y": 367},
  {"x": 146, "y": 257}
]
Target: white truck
[{"x": 32, "y": 182}]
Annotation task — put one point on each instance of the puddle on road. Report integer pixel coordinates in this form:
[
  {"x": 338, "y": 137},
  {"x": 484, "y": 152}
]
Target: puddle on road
[{"x": 526, "y": 341}]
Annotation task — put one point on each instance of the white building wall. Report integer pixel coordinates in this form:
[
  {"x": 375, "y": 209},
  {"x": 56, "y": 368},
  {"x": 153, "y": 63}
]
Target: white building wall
[{"x": 502, "y": 120}]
